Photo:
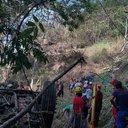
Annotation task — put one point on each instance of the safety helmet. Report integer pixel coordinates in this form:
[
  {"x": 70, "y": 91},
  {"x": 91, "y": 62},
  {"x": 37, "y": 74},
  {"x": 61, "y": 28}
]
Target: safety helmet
[
  {"x": 90, "y": 82},
  {"x": 78, "y": 90},
  {"x": 113, "y": 81}
]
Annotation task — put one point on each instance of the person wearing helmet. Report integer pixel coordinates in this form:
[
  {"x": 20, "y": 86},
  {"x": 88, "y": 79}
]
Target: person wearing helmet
[
  {"x": 114, "y": 110},
  {"x": 120, "y": 105},
  {"x": 90, "y": 77},
  {"x": 78, "y": 106},
  {"x": 78, "y": 84},
  {"x": 112, "y": 82}
]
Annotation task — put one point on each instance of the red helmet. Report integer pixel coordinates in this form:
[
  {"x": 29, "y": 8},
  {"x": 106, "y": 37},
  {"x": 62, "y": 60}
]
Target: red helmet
[{"x": 113, "y": 81}]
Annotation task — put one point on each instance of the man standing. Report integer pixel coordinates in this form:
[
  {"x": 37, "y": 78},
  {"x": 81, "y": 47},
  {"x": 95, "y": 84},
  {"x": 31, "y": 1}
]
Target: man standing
[
  {"x": 78, "y": 107},
  {"x": 98, "y": 106},
  {"x": 60, "y": 89},
  {"x": 114, "y": 110},
  {"x": 120, "y": 101}
]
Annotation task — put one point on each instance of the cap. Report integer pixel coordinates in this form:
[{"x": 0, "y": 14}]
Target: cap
[{"x": 113, "y": 81}]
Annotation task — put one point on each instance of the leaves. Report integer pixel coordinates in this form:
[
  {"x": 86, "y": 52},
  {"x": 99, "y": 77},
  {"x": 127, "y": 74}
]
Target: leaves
[
  {"x": 35, "y": 18},
  {"x": 41, "y": 27},
  {"x": 40, "y": 55},
  {"x": 27, "y": 32},
  {"x": 2, "y": 27},
  {"x": 35, "y": 33},
  {"x": 21, "y": 38},
  {"x": 30, "y": 23}
]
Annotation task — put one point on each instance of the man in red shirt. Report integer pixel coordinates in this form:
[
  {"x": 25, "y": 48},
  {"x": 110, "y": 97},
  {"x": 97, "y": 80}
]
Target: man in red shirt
[
  {"x": 98, "y": 106},
  {"x": 78, "y": 107}
]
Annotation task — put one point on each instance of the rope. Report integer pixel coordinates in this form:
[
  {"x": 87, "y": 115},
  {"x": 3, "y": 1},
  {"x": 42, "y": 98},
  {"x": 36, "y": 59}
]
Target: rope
[{"x": 110, "y": 18}]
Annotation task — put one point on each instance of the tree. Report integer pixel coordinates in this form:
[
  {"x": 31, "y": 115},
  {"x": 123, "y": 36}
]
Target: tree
[{"x": 20, "y": 25}]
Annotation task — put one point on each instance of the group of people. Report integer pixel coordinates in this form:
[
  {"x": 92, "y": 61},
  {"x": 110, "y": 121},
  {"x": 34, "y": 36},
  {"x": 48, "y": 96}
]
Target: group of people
[
  {"x": 81, "y": 106},
  {"x": 119, "y": 101}
]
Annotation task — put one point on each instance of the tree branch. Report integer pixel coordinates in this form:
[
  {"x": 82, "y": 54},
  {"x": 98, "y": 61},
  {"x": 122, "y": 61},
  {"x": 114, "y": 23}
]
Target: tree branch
[{"x": 14, "y": 119}]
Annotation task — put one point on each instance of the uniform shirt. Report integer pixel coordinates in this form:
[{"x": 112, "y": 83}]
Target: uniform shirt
[
  {"x": 121, "y": 99},
  {"x": 78, "y": 104}
]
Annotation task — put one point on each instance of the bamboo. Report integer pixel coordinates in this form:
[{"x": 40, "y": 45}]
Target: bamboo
[{"x": 93, "y": 107}]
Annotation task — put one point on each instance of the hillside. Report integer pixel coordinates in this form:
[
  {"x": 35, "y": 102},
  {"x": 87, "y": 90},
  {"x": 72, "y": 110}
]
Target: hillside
[{"x": 98, "y": 40}]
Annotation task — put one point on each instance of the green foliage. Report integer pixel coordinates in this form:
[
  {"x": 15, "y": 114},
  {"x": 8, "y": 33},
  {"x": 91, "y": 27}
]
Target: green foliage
[
  {"x": 72, "y": 14},
  {"x": 30, "y": 23},
  {"x": 35, "y": 18},
  {"x": 41, "y": 27},
  {"x": 21, "y": 47},
  {"x": 115, "y": 3},
  {"x": 19, "y": 33}
]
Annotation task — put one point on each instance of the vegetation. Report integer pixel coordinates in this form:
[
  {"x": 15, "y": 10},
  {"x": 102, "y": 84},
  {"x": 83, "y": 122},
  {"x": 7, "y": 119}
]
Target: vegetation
[
  {"x": 20, "y": 24},
  {"x": 90, "y": 28}
]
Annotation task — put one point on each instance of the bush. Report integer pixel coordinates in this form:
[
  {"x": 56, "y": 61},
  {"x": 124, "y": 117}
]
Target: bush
[{"x": 100, "y": 56}]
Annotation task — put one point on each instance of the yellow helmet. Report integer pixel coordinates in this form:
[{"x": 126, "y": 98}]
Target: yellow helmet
[{"x": 78, "y": 90}]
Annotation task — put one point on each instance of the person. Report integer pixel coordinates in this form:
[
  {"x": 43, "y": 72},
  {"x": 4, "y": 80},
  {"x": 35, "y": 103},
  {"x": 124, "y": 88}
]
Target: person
[
  {"x": 71, "y": 85},
  {"x": 78, "y": 84},
  {"x": 21, "y": 86},
  {"x": 114, "y": 110},
  {"x": 67, "y": 110},
  {"x": 78, "y": 107},
  {"x": 60, "y": 90},
  {"x": 89, "y": 78},
  {"x": 119, "y": 104},
  {"x": 98, "y": 106},
  {"x": 112, "y": 82},
  {"x": 85, "y": 110},
  {"x": 57, "y": 85},
  {"x": 85, "y": 85},
  {"x": 89, "y": 92}
]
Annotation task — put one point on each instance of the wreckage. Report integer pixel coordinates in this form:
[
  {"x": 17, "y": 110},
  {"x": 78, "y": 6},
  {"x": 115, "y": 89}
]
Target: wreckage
[{"x": 28, "y": 109}]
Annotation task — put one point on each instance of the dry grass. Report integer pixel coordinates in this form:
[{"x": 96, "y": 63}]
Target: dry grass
[
  {"x": 111, "y": 47},
  {"x": 104, "y": 52}
]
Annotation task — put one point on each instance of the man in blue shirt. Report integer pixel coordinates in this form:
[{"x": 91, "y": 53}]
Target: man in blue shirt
[{"x": 120, "y": 101}]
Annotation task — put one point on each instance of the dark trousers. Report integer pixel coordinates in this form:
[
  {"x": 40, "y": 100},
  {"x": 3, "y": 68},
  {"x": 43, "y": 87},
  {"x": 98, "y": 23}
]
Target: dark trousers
[
  {"x": 98, "y": 108},
  {"x": 60, "y": 93},
  {"x": 121, "y": 119},
  {"x": 79, "y": 121}
]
